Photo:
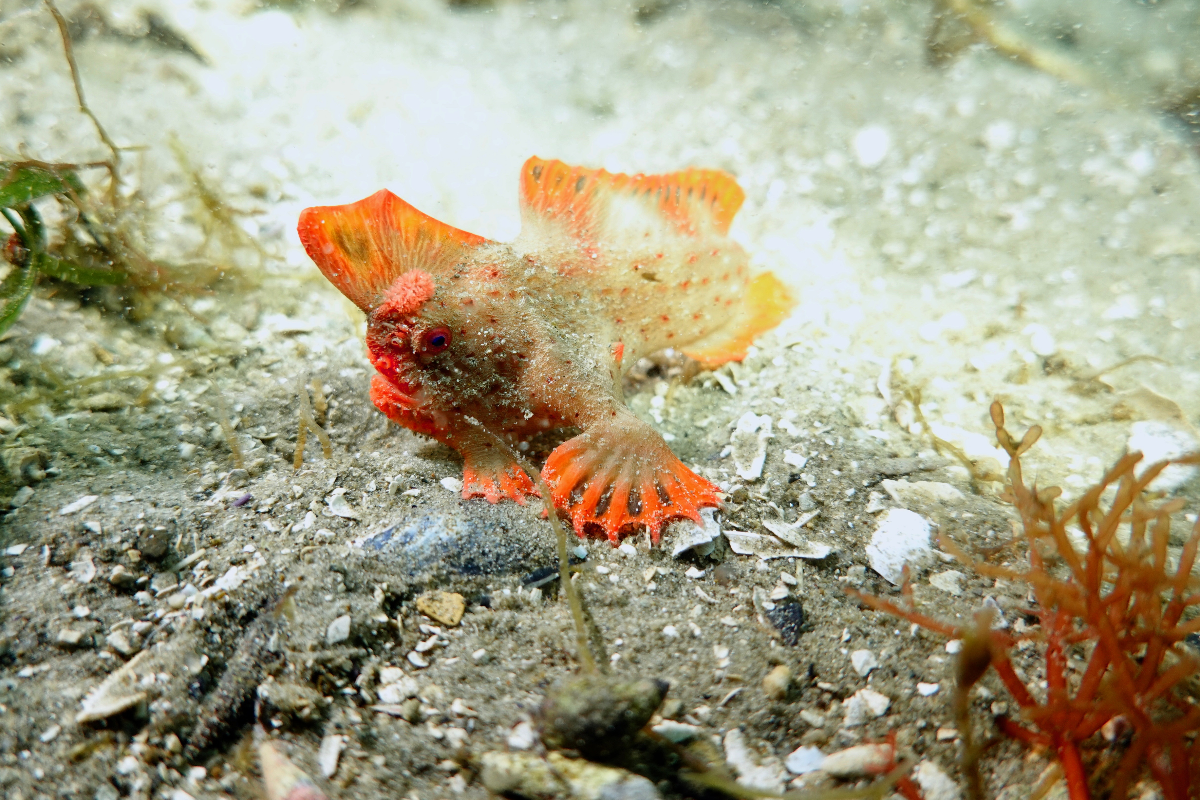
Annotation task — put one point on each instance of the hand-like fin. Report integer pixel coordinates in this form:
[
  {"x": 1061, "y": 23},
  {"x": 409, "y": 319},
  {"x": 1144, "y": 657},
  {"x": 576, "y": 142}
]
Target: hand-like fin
[
  {"x": 363, "y": 247},
  {"x": 595, "y": 205},
  {"x": 622, "y": 476}
]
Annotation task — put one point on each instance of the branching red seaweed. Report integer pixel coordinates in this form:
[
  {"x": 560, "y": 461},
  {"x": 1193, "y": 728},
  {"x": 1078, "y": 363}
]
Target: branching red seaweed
[{"x": 1105, "y": 583}]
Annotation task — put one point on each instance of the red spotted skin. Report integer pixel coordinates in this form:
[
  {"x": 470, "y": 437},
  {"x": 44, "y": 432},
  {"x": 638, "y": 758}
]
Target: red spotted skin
[{"x": 522, "y": 338}]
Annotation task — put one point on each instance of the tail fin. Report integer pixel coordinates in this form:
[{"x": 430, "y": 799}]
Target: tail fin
[{"x": 363, "y": 247}]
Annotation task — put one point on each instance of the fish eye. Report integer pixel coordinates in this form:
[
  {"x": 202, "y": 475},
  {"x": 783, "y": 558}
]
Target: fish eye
[{"x": 435, "y": 340}]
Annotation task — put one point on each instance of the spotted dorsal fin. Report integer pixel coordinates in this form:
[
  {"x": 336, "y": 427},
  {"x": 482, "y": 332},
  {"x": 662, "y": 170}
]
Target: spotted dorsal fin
[
  {"x": 598, "y": 206},
  {"x": 363, "y": 247}
]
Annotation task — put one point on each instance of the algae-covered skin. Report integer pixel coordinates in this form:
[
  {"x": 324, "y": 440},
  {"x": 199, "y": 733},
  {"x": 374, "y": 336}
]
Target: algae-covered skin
[{"x": 480, "y": 344}]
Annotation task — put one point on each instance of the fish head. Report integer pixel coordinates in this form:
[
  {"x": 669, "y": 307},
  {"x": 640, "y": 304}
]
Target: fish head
[{"x": 442, "y": 346}]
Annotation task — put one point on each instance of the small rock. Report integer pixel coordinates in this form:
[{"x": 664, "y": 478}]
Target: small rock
[
  {"x": 530, "y": 776},
  {"x": 521, "y": 737},
  {"x": 78, "y": 505},
  {"x": 949, "y": 582},
  {"x": 863, "y": 662},
  {"x": 749, "y": 445},
  {"x": 900, "y": 537},
  {"x": 1041, "y": 341},
  {"x": 871, "y": 145},
  {"x": 120, "y": 642},
  {"x": 50, "y": 734},
  {"x": 865, "y": 705},
  {"x": 121, "y": 577},
  {"x": 794, "y": 459},
  {"x": 767, "y": 547},
  {"x": 338, "y": 630},
  {"x": 678, "y": 732},
  {"x": 72, "y": 638},
  {"x": 23, "y": 496},
  {"x": 935, "y": 784},
  {"x": 398, "y": 691},
  {"x": 930, "y": 492},
  {"x": 788, "y": 619},
  {"x": 339, "y": 506},
  {"x": 330, "y": 753},
  {"x": 445, "y": 608},
  {"x": 754, "y": 770},
  {"x": 105, "y": 401},
  {"x": 861, "y": 761},
  {"x": 928, "y": 689},
  {"x": 777, "y": 682},
  {"x": 598, "y": 715},
  {"x": 417, "y": 660},
  {"x": 686, "y": 535},
  {"x": 153, "y": 543},
  {"x": 804, "y": 760},
  {"x": 83, "y": 569},
  {"x": 452, "y": 484},
  {"x": 481, "y": 656}
]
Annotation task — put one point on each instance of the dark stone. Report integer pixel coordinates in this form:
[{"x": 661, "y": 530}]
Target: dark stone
[
  {"x": 473, "y": 538},
  {"x": 598, "y": 715},
  {"x": 153, "y": 543},
  {"x": 788, "y": 619}
]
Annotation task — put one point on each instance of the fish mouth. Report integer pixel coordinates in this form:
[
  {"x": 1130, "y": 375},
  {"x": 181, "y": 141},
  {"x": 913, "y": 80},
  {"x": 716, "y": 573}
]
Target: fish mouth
[{"x": 406, "y": 392}]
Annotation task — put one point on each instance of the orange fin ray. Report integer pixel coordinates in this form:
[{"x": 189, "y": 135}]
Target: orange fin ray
[
  {"x": 595, "y": 205},
  {"x": 363, "y": 247},
  {"x": 767, "y": 303},
  {"x": 495, "y": 484},
  {"x": 633, "y": 480}
]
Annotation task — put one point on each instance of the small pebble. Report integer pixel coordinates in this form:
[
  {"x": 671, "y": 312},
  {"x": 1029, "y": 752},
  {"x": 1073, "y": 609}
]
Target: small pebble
[
  {"x": 777, "y": 682},
  {"x": 71, "y": 638},
  {"x": 871, "y": 145},
  {"x": 78, "y": 505},
  {"x": 417, "y": 660},
  {"x": 330, "y": 753},
  {"x": 863, "y": 662},
  {"x": 338, "y": 630},
  {"x": 858, "y": 762},
  {"x": 928, "y": 689},
  {"x": 936, "y": 784},
  {"x": 949, "y": 582},
  {"x": 863, "y": 706},
  {"x": 901, "y": 537},
  {"x": 446, "y": 608},
  {"x": 521, "y": 737},
  {"x": 804, "y": 760}
]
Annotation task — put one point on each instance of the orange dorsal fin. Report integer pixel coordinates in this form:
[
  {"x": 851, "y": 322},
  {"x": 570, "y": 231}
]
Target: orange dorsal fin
[
  {"x": 594, "y": 205},
  {"x": 363, "y": 247}
]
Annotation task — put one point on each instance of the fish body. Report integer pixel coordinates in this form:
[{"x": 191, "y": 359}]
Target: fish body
[{"x": 475, "y": 340}]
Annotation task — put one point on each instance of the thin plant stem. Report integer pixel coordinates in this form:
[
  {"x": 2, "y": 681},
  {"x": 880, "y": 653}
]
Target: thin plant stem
[
  {"x": 115, "y": 166},
  {"x": 587, "y": 660}
]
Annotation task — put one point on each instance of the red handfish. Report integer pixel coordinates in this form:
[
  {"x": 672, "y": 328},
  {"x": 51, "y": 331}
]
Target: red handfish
[{"x": 534, "y": 335}]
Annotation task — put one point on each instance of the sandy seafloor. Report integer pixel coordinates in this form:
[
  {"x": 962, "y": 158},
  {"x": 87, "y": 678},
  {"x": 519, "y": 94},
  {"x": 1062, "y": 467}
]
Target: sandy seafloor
[{"x": 974, "y": 231}]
